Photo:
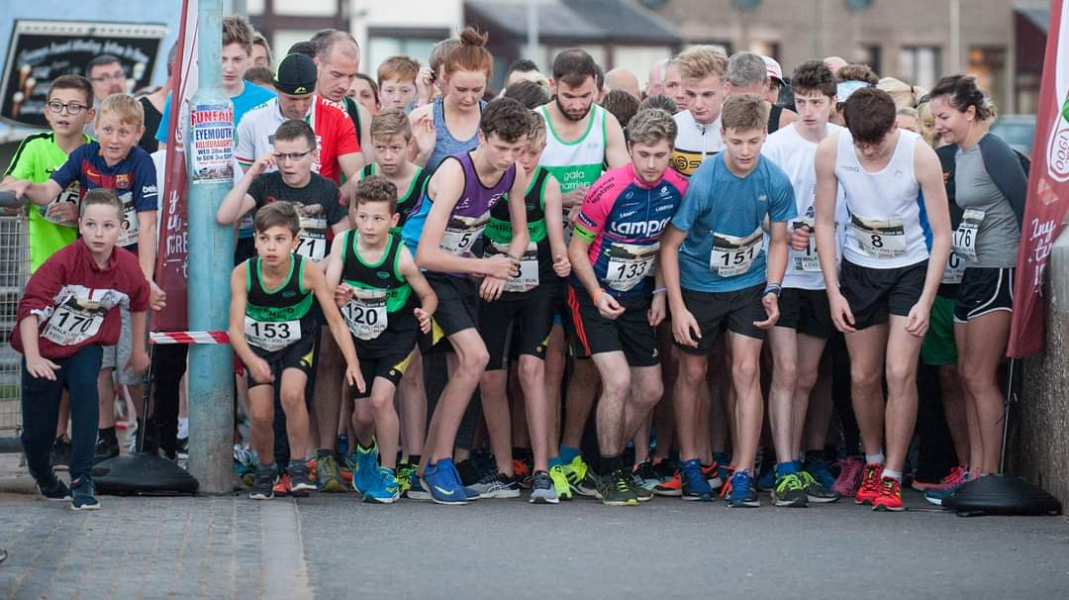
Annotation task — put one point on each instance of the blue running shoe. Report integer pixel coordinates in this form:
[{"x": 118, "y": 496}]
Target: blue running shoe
[
  {"x": 723, "y": 461},
  {"x": 385, "y": 490},
  {"x": 417, "y": 489},
  {"x": 83, "y": 494},
  {"x": 695, "y": 486},
  {"x": 367, "y": 467},
  {"x": 936, "y": 497},
  {"x": 767, "y": 481},
  {"x": 820, "y": 469},
  {"x": 445, "y": 486},
  {"x": 743, "y": 493}
]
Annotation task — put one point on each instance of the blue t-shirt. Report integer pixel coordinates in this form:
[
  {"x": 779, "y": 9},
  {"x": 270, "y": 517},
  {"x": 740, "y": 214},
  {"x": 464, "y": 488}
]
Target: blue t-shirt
[
  {"x": 723, "y": 216},
  {"x": 133, "y": 179},
  {"x": 253, "y": 96}
]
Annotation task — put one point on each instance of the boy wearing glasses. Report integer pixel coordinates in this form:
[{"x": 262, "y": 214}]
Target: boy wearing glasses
[
  {"x": 69, "y": 106},
  {"x": 317, "y": 198}
]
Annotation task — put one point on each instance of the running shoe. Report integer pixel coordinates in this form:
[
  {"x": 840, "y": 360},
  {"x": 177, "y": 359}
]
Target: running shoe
[
  {"x": 445, "y": 487},
  {"x": 664, "y": 469},
  {"x": 542, "y": 489},
  {"x": 107, "y": 446},
  {"x": 725, "y": 490},
  {"x": 695, "y": 486},
  {"x": 560, "y": 482},
  {"x": 723, "y": 469},
  {"x": 182, "y": 447},
  {"x": 282, "y": 485},
  {"x": 54, "y": 489},
  {"x": 83, "y": 494},
  {"x": 957, "y": 476},
  {"x": 61, "y": 454},
  {"x": 849, "y": 477},
  {"x": 647, "y": 475},
  {"x": 767, "y": 481},
  {"x": 870, "y": 484},
  {"x": 820, "y": 469},
  {"x": 469, "y": 473},
  {"x": 673, "y": 486},
  {"x": 417, "y": 489},
  {"x": 789, "y": 492},
  {"x": 522, "y": 471},
  {"x": 497, "y": 485},
  {"x": 263, "y": 485},
  {"x": 615, "y": 489},
  {"x": 936, "y": 496},
  {"x": 742, "y": 493},
  {"x": 385, "y": 489},
  {"x": 580, "y": 478},
  {"x": 300, "y": 481},
  {"x": 328, "y": 476},
  {"x": 405, "y": 471},
  {"x": 890, "y": 496},
  {"x": 641, "y": 493},
  {"x": 814, "y": 490},
  {"x": 712, "y": 475},
  {"x": 367, "y": 467}
]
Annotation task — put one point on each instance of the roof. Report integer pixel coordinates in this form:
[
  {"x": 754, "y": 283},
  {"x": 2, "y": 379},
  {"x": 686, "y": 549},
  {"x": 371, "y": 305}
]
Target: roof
[
  {"x": 586, "y": 20},
  {"x": 1038, "y": 15}
]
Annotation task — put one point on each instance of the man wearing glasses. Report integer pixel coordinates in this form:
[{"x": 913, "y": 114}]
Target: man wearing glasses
[{"x": 106, "y": 74}]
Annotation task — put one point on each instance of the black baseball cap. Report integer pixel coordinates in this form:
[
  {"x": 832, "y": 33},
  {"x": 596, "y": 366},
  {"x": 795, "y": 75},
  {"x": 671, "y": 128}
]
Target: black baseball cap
[{"x": 296, "y": 75}]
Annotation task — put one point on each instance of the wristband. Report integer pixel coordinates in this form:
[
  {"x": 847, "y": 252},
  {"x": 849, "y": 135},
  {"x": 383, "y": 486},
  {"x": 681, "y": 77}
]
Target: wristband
[
  {"x": 659, "y": 290},
  {"x": 598, "y": 294},
  {"x": 773, "y": 288}
]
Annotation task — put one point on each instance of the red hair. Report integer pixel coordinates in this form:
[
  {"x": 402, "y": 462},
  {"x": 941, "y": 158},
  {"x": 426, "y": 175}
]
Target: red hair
[{"x": 471, "y": 55}]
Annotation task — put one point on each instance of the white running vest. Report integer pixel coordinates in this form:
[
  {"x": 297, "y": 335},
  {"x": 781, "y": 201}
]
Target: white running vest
[
  {"x": 576, "y": 163},
  {"x": 885, "y": 229}
]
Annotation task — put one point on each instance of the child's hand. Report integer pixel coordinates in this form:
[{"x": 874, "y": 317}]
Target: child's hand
[
  {"x": 260, "y": 370},
  {"x": 138, "y": 362},
  {"x": 42, "y": 368},
  {"x": 424, "y": 319},
  {"x": 343, "y": 294},
  {"x": 157, "y": 298},
  {"x": 424, "y": 133},
  {"x": 352, "y": 374},
  {"x": 263, "y": 163},
  {"x": 561, "y": 266},
  {"x": 19, "y": 186},
  {"x": 65, "y": 212}
]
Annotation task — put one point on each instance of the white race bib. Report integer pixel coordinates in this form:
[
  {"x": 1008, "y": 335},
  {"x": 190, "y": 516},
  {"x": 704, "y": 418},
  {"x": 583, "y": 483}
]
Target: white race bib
[
  {"x": 313, "y": 242},
  {"x": 954, "y": 270},
  {"x": 366, "y": 313},
  {"x": 67, "y": 196},
  {"x": 964, "y": 242},
  {"x": 462, "y": 232},
  {"x": 527, "y": 280},
  {"x": 629, "y": 264},
  {"x": 806, "y": 260},
  {"x": 271, "y": 336},
  {"x": 73, "y": 323},
  {"x": 133, "y": 226},
  {"x": 733, "y": 255},
  {"x": 879, "y": 238}
]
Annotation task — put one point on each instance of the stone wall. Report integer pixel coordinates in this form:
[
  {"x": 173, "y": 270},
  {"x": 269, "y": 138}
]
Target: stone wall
[{"x": 1038, "y": 448}]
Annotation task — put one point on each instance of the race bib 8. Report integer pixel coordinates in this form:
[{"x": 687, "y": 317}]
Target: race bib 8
[
  {"x": 806, "y": 260},
  {"x": 133, "y": 226},
  {"x": 734, "y": 255},
  {"x": 313, "y": 242},
  {"x": 629, "y": 264},
  {"x": 366, "y": 313},
  {"x": 527, "y": 280},
  {"x": 964, "y": 241},
  {"x": 271, "y": 336},
  {"x": 879, "y": 238},
  {"x": 74, "y": 322}
]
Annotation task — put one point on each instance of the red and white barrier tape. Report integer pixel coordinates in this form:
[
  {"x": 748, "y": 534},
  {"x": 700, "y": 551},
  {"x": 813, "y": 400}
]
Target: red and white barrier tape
[{"x": 189, "y": 337}]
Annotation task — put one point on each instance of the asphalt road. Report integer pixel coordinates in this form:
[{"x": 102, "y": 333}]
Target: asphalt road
[{"x": 333, "y": 547}]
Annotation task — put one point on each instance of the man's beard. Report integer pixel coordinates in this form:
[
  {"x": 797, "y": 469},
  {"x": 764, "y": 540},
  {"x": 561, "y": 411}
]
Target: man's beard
[{"x": 568, "y": 115}]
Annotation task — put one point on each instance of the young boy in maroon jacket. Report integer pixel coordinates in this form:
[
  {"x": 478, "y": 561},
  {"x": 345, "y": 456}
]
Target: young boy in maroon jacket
[{"x": 68, "y": 313}]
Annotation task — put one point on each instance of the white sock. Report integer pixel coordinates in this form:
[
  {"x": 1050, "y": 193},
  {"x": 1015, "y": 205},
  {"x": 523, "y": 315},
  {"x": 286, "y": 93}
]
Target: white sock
[
  {"x": 875, "y": 459},
  {"x": 183, "y": 427},
  {"x": 890, "y": 474}
]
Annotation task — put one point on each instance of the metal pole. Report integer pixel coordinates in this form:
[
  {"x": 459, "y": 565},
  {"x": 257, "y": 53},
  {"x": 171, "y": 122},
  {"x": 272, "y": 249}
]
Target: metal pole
[
  {"x": 955, "y": 36},
  {"x": 211, "y": 251},
  {"x": 532, "y": 33}
]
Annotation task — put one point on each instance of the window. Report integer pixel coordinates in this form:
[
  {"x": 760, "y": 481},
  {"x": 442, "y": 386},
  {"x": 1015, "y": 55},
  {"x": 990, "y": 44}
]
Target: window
[
  {"x": 873, "y": 57},
  {"x": 920, "y": 65},
  {"x": 988, "y": 65},
  {"x": 384, "y": 43}
]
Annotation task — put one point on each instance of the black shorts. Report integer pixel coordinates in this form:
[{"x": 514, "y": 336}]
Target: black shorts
[
  {"x": 300, "y": 355},
  {"x": 713, "y": 311},
  {"x": 983, "y": 291},
  {"x": 458, "y": 303},
  {"x": 806, "y": 311},
  {"x": 519, "y": 324},
  {"x": 875, "y": 294},
  {"x": 629, "y": 333},
  {"x": 387, "y": 358}
]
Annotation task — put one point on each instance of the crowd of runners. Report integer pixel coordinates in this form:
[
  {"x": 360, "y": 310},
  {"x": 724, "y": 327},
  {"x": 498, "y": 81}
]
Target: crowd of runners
[{"x": 570, "y": 286}]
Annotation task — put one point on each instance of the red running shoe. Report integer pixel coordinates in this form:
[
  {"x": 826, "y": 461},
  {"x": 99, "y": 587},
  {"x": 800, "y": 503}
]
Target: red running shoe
[
  {"x": 849, "y": 477},
  {"x": 890, "y": 498},
  {"x": 870, "y": 484},
  {"x": 671, "y": 487},
  {"x": 955, "y": 478}
]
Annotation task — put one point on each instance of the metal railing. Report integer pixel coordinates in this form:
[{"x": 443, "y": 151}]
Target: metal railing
[{"x": 14, "y": 271}]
